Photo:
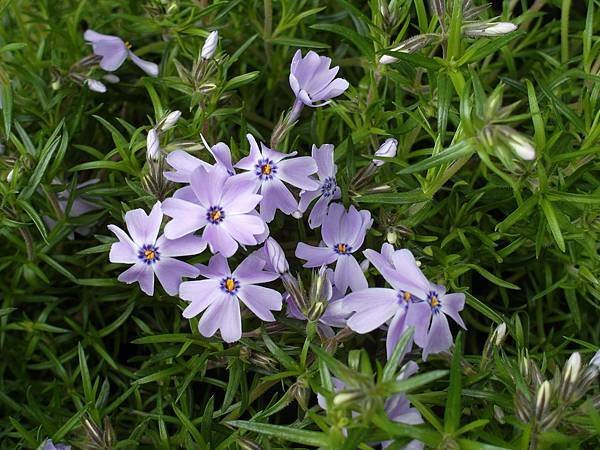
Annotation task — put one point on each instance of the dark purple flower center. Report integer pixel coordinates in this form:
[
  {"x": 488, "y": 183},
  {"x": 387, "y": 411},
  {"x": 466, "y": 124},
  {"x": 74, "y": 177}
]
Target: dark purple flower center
[
  {"x": 149, "y": 254},
  {"x": 342, "y": 249},
  {"x": 328, "y": 187},
  {"x": 265, "y": 169},
  {"x": 215, "y": 215},
  {"x": 230, "y": 285},
  {"x": 434, "y": 302}
]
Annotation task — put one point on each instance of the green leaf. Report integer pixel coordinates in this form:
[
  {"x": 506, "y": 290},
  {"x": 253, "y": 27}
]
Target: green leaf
[
  {"x": 553, "y": 223},
  {"x": 491, "y": 277},
  {"x": 241, "y": 80},
  {"x": 297, "y": 42},
  {"x": 453, "y": 409},
  {"x": 35, "y": 218},
  {"x": 389, "y": 370},
  {"x": 360, "y": 42},
  {"x": 6, "y": 100},
  {"x": 393, "y": 198},
  {"x": 451, "y": 154},
  {"x": 189, "y": 427},
  {"x": 316, "y": 438}
]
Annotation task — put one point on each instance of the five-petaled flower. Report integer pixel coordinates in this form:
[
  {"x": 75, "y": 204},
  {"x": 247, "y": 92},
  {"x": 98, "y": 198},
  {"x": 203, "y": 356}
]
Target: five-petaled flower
[
  {"x": 114, "y": 51},
  {"x": 268, "y": 170},
  {"x": 328, "y": 189},
  {"x": 343, "y": 234},
  {"x": 218, "y": 296},
  {"x": 221, "y": 204},
  {"x": 151, "y": 254}
]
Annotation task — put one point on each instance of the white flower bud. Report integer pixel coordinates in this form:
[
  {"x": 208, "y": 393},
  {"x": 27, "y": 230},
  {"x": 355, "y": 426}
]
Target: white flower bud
[
  {"x": 364, "y": 265},
  {"x": 572, "y": 368},
  {"x": 152, "y": 145},
  {"x": 170, "y": 120},
  {"x": 276, "y": 256},
  {"x": 543, "y": 398},
  {"x": 111, "y": 78},
  {"x": 297, "y": 214},
  {"x": 522, "y": 147},
  {"x": 596, "y": 360},
  {"x": 210, "y": 45},
  {"x": 95, "y": 85},
  {"x": 391, "y": 236},
  {"x": 387, "y": 149},
  {"x": 500, "y": 334},
  {"x": 489, "y": 29},
  {"x": 10, "y": 175}
]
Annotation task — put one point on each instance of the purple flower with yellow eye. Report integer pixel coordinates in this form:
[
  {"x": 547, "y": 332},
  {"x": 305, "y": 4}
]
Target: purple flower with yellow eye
[
  {"x": 114, "y": 51},
  {"x": 48, "y": 444},
  {"x": 343, "y": 234},
  {"x": 412, "y": 301},
  {"x": 328, "y": 189},
  {"x": 220, "y": 294},
  {"x": 151, "y": 254},
  {"x": 269, "y": 169},
  {"x": 221, "y": 204},
  {"x": 184, "y": 163}
]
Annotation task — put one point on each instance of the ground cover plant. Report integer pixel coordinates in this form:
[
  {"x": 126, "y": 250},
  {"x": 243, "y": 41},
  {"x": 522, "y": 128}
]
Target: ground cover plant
[{"x": 299, "y": 224}]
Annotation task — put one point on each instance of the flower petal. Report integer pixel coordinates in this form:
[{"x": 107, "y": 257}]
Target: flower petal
[
  {"x": 348, "y": 274},
  {"x": 124, "y": 251},
  {"x": 200, "y": 294},
  {"x": 143, "y": 228},
  {"x": 183, "y": 246},
  {"x": 208, "y": 184},
  {"x": 395, "y": 330},
  {"x": 184, "y": 164},
  {"x": 323, "y": 156},
  {"x": 439, "y": 337},
  {"x": 451, "y": 305},
  {"x": 419, "y": 317},
  {"x": 276, "y": 196},
  {"x": 297, "y": 171},
  {"x": 315, "y": 256},
  {"x": 318, "y": 212},
  {"x": 261, "y": 301},
  {"x": 251, "y": 271},
  {"x": 187, "y": 217},
  {"x": 248, "y": 162},
  {"x": 143, "y": 274},
  {"x": 239, "y": 194},
  {"x": 214, "y": 316},
  {"x": 331, "y": 224},
  {"x": 373, "y": 307},
  {"x": 231, "y": 325},
  {"x": 149, "y": 67},
  {"x": 219, "y": 240},
  {"x": 218, "y": 267},
  {"x": 170, "y": 271}
]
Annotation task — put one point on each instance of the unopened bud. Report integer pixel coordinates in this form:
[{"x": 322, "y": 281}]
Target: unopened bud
[
  {"x": 391, "y": 236},
  {"x": 346, "y": 397},
  {"x": 10, "y": 175},
  {"x": 297, "y": 214},
  {"x": 388, "y": 149},
  {"x": 276, "y": 256},
  {"x": 519, "y": 144},
  {"x": 55, "y": 87},
  {"x": 410, "y": 45},
  {"x": 572, "y": 368},
  {"x": 152, "y": 145},
  {"x": 488, "y": 29},
  {"x": 316, "y": 311},
  {"x": 542, "y": 399},
  {"x": 95, "y": 85},
  {"x": 111, "y": 78},
  {"x": 210, "y": 45},
  {"x": 500, "y": 334},
  {"x": 170, "y": 120}
]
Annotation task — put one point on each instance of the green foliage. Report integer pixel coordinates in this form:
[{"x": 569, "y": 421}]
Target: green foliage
[{"x": 93, "y": 362}]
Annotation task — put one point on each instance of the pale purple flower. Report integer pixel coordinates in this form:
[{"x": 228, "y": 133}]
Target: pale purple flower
[
  {"x": 343, "y": 234},
  {"x": 222, "y": 290},
  {"x": 269, "y": 169},
  {"x": 412, "y": 301},
  {"x": 387, "y": 149},
  {"x": 398, "y": 409},
  {"x": 79, "y": 206},
  {"x": 327, "y": 190},
  {"x": 313, "y": 81},
  {"x": 210, "y": 45},
  {"x": 152, "y": 145},
  {"x": 49, "y": 445},
  {"x": 184, "y": 163},
  {"x": 151, "y": 254},
  {"x": 275, "y": 256},
  {"x": 221, "y": 204},
  {"x": 95, "y": 85},
  {"x": 114, "y": 51}
]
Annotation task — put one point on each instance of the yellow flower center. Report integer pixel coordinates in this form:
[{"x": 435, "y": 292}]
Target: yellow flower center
[
  {"x": 215, "y": 215},
  {"x": 266, "y": 169},
  {"x": 149, "y": 254},
  {"x": 406, "y": 296},
  {"x": 341, "y": 248},
  {"x": 434, "y": 301},
  {"x": 230, "y": 284}
]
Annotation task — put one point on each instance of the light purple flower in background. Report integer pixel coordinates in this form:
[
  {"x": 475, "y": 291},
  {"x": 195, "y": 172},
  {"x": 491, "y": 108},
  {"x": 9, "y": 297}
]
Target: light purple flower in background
[
  {"x": 151, "y": 254},
  {"x": 114, "y": 51},
  {"x": 387, "y": 150},
  {"x": 343, "y": 234},
  {"x": 595, "y": 361},
  {"x": 184, "y": 163},
  {"x": 398, "y": 409},
  {"x": 313, "y": 82},
  {"x": 328, "y": 189},
  {"x": 218, "y": 296},
  {"x": 221, "y": 204},
  {"x": 49, "y": 445},
  {"x": 269, "y": 169},
  {"x": 79, "y": 206},
  {"x": 412, "y": 301}
]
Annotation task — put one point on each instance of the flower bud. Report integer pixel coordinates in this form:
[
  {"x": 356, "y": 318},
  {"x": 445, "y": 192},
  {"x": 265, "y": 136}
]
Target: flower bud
[
  {"x": 522, "y": 147},
  {"x": 210, "y": 45},
  {"x": 297, "y": 214},
  {"x": 410, "y": 45},
  {"x": 572, "y": 368},
  {"x": 10, "y": 175},
  {"x": 95, "y": 85},
  {"x": 152, "y": 145},
  {"x": 387, "y": 149},
  {"x": 500, "y": 334},
  {"x": 391, "y": 236},
  {"x": 488, "y": 29},
  {"x": 55, "y": 87},
  {"x": 345, "y": 397},
  {"x": 595, "y": 361},
  {"x": 542, "y": 399},
  {"x": 276, "y": 256},
  {"x": 170, "y": 120},
  {"x": 111, "y": 78}
]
